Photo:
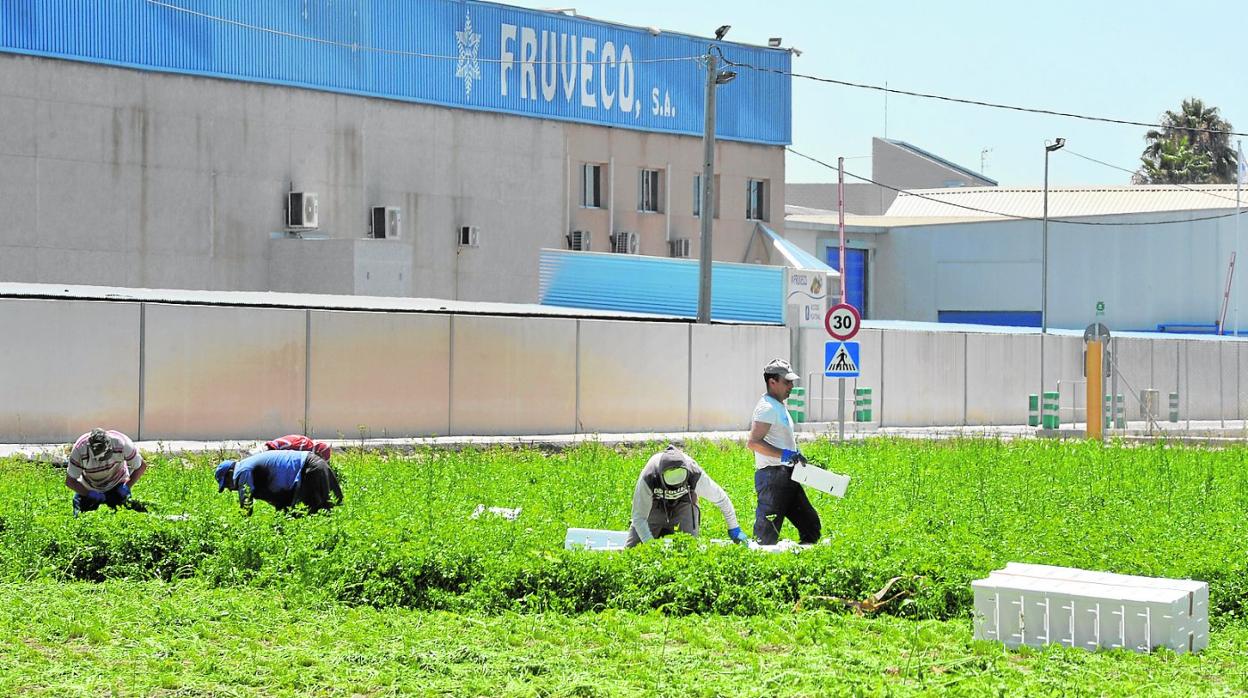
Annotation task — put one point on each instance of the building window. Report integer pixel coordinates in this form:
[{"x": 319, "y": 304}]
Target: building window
[
  {"x": 591, "y": 185},
  {"x": 697, "y": 196},
  {"x": 756, "y": 199},
  {"x": 648, "y": 191}
]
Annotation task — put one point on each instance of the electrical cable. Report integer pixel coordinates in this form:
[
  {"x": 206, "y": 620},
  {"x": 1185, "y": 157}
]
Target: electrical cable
[
  {"x": 390, "y": 51},
  {"x": 1132, "y": 172},
  {"x": 1012, "y": 216},
  {"x": 978, "y": 103}
]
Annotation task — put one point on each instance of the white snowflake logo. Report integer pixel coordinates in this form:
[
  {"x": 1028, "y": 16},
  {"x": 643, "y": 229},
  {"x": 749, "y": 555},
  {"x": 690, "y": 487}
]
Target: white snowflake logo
[{"x": 469, "y": 45}]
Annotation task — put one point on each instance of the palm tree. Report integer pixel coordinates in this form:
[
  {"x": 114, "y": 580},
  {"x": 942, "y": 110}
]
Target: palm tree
[
  {"x": 1206, "y": 133},
  {"x": 1177, "y": 162}
]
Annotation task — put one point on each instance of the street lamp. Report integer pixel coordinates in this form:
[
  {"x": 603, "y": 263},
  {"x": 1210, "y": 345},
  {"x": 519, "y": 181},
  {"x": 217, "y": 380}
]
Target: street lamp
[
  {"x": 1044, "y": 236},
  {"x": 714, "y": 78}
]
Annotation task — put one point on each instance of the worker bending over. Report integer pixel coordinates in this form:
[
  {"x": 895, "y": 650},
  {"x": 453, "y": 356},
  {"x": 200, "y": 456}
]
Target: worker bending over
[{"x": 665, "y": 499}]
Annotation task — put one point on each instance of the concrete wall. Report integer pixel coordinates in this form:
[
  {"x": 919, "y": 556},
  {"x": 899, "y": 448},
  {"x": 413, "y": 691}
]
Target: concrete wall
[
  {"x": 119, "y": 177},
  {"x": 167, "y": 371}
]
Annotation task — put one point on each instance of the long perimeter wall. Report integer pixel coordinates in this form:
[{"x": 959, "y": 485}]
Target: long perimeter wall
[{"x": 172, "y": 371}]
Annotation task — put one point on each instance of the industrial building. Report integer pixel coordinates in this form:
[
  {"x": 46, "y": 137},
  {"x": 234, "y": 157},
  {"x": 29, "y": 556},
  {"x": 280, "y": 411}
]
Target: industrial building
[
  {"x": 1143, "y": 258},
  {"x": 379, "y": 147}
]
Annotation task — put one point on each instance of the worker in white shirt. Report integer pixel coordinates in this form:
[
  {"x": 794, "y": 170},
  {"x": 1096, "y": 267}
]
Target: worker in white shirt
[
  {"x": 665, "y": 499},
  {"x": 775, "y": 453}
]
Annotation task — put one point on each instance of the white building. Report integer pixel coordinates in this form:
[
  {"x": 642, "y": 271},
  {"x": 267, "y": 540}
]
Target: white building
[{"x": 1133, "y": 257}]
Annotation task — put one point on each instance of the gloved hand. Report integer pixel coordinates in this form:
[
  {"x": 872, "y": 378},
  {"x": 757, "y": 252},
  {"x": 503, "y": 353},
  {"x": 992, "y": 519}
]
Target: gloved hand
[
  {"x": 737, "y": 535},
  {"x": 792, "y": 457}
]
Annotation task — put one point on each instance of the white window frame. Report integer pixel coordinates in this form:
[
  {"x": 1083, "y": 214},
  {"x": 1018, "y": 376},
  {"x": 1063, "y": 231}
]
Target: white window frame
[
  {"x": 756, "y": 199},
  {"x": 591, "y": 185},
  {"x": 650, "y": 191}
]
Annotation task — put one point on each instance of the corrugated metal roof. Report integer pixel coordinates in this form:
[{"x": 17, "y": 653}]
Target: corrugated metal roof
[
  {"x": 630, "y": 282},
  {"x": 314, "y": 301},
  {"x": 1064, "y": 202}
]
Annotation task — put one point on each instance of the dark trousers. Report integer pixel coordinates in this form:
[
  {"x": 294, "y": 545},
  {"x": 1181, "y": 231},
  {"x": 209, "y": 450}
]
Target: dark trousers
[
  {"x": 780, "y": 498},
  {"x": 666, "y": 520},
  {"x": 318, "y": 483},
  {"x": 92, "y": 500}
]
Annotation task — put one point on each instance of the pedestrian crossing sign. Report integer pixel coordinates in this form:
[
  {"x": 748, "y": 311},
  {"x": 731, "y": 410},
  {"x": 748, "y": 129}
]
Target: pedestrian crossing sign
[{"x": 840, "y": 359}]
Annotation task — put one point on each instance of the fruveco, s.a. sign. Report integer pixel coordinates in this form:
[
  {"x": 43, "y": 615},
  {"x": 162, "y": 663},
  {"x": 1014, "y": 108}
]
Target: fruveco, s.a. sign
[{"x": 473, "y": 55}]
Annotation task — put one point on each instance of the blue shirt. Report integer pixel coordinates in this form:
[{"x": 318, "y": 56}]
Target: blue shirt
[{"x": 272, "y": 476}]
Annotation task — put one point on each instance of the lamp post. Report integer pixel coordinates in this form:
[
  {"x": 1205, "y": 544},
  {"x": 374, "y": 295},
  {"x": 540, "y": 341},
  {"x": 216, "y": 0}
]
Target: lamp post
[
  {"x": 1044, "y": 240},
  {"x": 714, "y": 78}
]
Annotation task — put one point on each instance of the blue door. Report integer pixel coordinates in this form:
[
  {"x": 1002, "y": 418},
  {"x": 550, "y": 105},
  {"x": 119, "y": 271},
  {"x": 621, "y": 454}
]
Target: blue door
[{"x": 855, "y": 278}]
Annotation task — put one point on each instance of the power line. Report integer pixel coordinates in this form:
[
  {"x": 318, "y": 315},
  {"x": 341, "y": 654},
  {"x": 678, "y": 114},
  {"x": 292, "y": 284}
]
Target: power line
[
  {"x": 1133, "y": 172},
  {"x": 979, "y": 103},
  {"x": 1012, "y": 216},
  {"x": 395, "y": 52}
]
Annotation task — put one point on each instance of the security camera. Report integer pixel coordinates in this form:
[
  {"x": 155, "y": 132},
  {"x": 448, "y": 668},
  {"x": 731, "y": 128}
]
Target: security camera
[
  {"x": 654, "y": 31},
  {"x": 719, "y": 33}
]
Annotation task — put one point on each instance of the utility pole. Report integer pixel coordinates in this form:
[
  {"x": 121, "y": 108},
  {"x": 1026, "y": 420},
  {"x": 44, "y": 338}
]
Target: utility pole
[
  {"x": 708, "y": 193},
  {"x": 714, "y": 78}
]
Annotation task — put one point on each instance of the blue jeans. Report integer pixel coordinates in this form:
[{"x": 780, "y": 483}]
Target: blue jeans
[
  {"x": 91, "y": 501},
  {"x": 780, "y": 498}
]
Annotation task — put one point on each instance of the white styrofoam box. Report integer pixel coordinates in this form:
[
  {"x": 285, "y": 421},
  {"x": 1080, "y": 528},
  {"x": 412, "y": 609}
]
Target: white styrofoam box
[
  {"x": 1038, "y": 605},
  {"x": 595, "y": 539},
  {"x": 823, "y": 480}
]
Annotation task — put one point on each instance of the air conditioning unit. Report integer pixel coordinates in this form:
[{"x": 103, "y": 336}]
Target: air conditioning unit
[
  {"x": 624, "y": 243},
  {"x": 578, "y": 240},
  {"x": 302, "y": 211},
  {"x": 468, "y": 235},
  {"x": 386, "y": 222},
  {"x": 678, "y": 247}
]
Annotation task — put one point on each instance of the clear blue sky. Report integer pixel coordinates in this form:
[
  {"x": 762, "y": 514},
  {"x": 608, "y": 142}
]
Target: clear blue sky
[{"x": 1114, "y": 58}]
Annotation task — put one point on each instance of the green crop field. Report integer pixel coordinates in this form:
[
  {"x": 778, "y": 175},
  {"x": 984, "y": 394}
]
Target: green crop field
[{"x": 402, "y": 592}]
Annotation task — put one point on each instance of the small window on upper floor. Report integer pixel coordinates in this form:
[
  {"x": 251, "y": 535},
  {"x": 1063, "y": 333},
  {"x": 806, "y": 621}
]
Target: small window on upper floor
[
  {"x": 756, "y": 199},
  {"x": 649, "y": 191},
  {"x": 591, "y": 185}
]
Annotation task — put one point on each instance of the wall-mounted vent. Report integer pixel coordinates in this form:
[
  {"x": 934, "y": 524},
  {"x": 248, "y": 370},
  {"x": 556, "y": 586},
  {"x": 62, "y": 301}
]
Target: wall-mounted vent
[
  {"x": 578, "y": 240},
  {"x": 468, "y": 236},
  {"x": 302, "y": 211},
  {"x": 386, "y": 222},
  {"x": 624, "y": 243}
]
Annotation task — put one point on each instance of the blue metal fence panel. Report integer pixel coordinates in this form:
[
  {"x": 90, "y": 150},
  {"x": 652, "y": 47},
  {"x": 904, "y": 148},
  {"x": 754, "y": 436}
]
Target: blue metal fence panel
[
  {"x": 456, "y": 53},
  {"x": 1002, "y": 318},
  {"x": 633, "y": 283}
]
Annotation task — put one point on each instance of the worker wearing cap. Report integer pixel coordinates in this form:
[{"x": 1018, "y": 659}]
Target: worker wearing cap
[
  {"x": 296, "y": 442},
  {"x": 103, "y": 466},
  {"x": 775, "y": 453},
  {"x": 665, "y": 499},
  {"x": 281, "y": 478}
]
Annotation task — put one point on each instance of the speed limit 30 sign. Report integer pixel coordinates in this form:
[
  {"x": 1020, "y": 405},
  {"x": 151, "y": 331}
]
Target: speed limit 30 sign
[{"x": 842, "y": 321}]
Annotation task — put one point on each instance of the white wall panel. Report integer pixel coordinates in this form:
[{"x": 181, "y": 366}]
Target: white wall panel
[
  {"x": 386, "y": 373},
  {"x": 726, "y": 379},
  {"x": 1001, "y": 373},
  {"x": 223, "y": 372},
  {"x": 513, "y": 375},
  {"x": 68, "y": 366},
  {"x": 1203, "y": 380},
  {"x": 925, "y": 378},
  {"x": 633, "y": 376}
]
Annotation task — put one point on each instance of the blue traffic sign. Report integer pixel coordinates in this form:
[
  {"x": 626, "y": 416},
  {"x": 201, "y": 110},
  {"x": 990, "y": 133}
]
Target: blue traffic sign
[{"x": 840, "y": 359}]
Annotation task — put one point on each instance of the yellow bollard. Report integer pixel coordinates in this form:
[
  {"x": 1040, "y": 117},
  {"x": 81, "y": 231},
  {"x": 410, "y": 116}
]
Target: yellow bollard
[{"x": 1094, "y": 372}]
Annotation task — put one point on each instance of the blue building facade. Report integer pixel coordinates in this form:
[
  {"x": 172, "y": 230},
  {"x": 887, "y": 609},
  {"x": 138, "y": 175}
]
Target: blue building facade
[{"x": 468, "y": 55}]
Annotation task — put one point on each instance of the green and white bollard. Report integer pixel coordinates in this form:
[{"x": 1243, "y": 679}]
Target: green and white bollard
[
  {"x": 862, "y": 404},
  {"x": 797, "y": 404},
  {"x": 1049, "y": 410},
  {"x": 1115, "y": 412},
  {"x": 1033, "y": 410},
  {"x": 1174, "y": 407}
]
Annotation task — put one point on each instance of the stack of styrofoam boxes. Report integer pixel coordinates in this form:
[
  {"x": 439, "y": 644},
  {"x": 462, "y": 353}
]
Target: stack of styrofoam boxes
[{"x": 1039, "y": 605}]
